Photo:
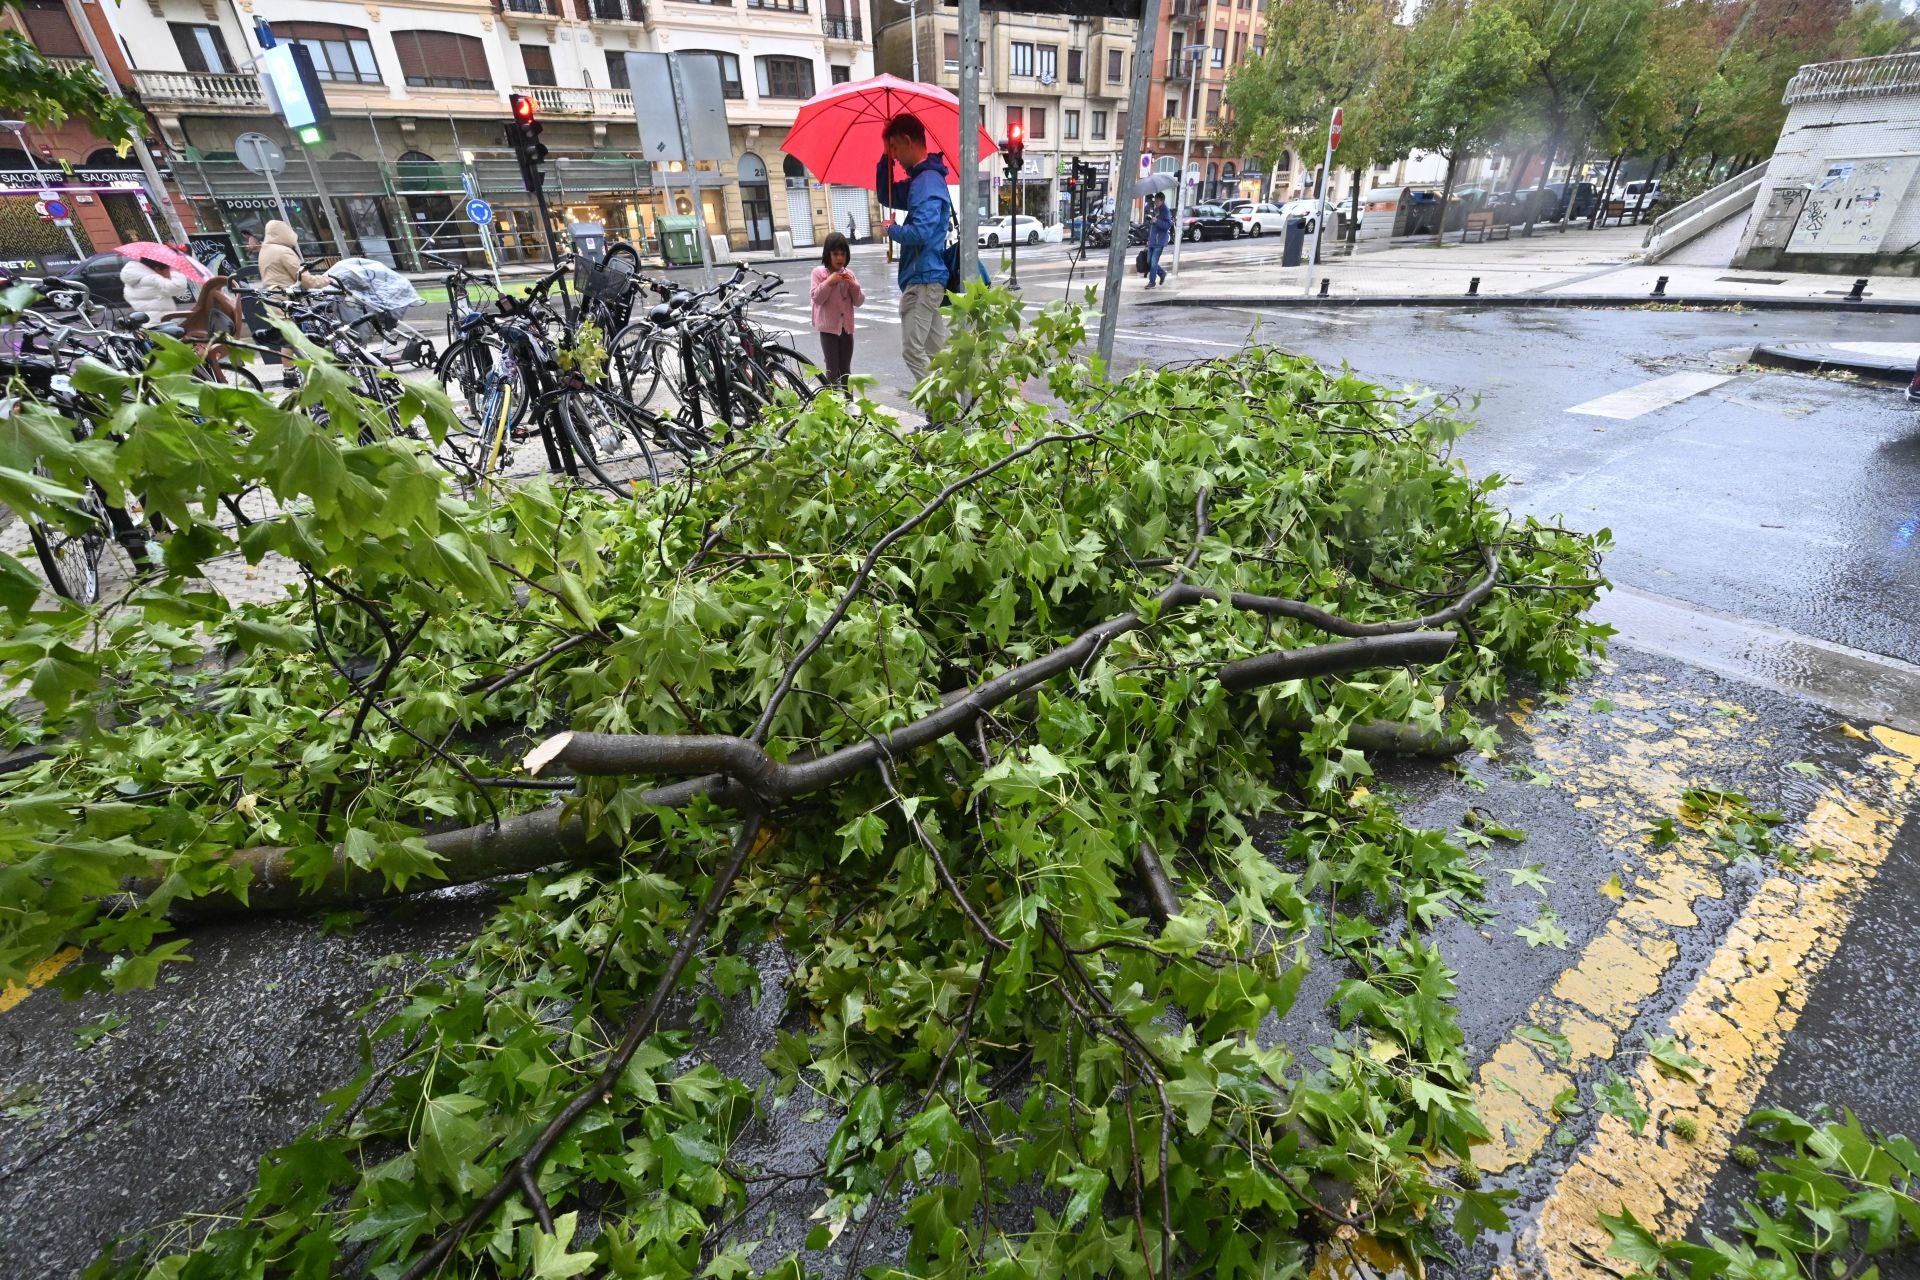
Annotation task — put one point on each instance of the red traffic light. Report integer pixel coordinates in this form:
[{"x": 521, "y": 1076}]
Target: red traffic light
[
  {"x": 522, "y": 108},
  {"x": 1015, "y": 133}
]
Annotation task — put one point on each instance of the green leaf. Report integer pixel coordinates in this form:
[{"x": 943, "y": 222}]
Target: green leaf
[
  {"x": 1617, "y": 1097},
  {"x": 1561, "y": 1046},
  {"x": 552, "y": 1256},
  {"x": 1530, "y": 876},
  {"x": 1672, "y": 1060}
]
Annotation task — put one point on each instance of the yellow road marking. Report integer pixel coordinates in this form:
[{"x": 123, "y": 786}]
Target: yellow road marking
[
  {"x": 38, "y": 976},
  {"x": 1736, "y": 1020},
  {"x": 1626, "y": 770}
]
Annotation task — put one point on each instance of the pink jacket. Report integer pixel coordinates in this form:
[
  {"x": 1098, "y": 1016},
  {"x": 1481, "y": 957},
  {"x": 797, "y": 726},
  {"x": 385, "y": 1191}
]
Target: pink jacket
[{"x": 834, "y": 301}]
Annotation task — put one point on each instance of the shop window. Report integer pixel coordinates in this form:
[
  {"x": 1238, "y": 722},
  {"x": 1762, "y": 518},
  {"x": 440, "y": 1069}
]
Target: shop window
[
  {"x": 339, "y": 53},
  {"x": 539, "y": 62},
  {"x": 782, "y": 77},
  {"x": 442, "y": 60},
  {"x": 729, "y": 71},
  {"x": 202, "y": 48}
]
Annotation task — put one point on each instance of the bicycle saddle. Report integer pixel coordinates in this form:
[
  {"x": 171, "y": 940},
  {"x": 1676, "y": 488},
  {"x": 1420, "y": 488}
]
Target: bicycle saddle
[{"x": 172, "y": 329}]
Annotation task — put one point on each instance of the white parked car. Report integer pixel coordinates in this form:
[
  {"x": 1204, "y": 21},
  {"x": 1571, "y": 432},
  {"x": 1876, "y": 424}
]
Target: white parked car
[
  {"x": 1259, "y": 219},
  {"x": 995, "y": 232},
  {"x": 1639, "y": 196},
  {"x": 1311, "y": 210}
]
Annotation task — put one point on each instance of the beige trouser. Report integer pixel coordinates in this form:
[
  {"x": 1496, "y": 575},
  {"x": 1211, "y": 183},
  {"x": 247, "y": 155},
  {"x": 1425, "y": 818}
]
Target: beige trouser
[{"x": 923, "y": 326}]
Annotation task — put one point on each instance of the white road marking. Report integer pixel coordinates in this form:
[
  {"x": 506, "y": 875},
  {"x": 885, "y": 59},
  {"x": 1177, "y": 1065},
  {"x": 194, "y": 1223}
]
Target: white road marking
[
  {"x": 1176, "y": 337},
  {"x": 1656, "y": 393},
  {"x": 1312, "y": 317}
]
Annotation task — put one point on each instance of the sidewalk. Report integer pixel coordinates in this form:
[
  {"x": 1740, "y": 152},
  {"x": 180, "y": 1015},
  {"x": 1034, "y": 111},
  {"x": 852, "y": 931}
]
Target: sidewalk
[{"x": 1551, "y": 264}]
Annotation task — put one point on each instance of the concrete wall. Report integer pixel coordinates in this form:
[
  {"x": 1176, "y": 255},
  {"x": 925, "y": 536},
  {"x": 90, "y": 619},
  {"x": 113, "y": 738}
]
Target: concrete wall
[{"x": 1865, "y": 113}]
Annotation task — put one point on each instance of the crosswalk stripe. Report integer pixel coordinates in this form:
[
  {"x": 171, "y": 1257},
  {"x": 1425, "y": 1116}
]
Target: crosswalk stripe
[{"x": 1656, "y": 393}]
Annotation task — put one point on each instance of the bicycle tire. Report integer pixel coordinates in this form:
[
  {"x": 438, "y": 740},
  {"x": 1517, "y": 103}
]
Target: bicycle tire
[
  {"x": 72, "y": 561},
  {"x": 633, "y": 360},
  {"x": 799, "y": 363},
  {"x": 464, "y": 367},
  {"x": 610, "y": 436}
]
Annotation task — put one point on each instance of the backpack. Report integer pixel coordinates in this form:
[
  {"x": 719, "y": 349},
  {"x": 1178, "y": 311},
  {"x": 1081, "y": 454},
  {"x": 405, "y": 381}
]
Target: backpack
[{"x": 951, "y": 255}]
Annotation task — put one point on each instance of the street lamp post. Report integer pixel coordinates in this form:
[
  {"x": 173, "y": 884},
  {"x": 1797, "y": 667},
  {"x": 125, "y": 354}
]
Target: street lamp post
[
  {"x": 17, "y": 129},
  {"x": 913, "y": 29},
  {"x": 1197, "y": 52}
]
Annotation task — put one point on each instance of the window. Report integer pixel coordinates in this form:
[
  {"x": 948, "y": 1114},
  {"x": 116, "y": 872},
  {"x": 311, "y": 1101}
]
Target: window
[
  {"x": 839, "y": 75},
  {"x": 442, "y": 60},
  {"x": 1213, "y": 105},
  {"x": 950, "y": 50},
  {"x": 1120, "y": 127},
  {"x": 1239, "y": 47},
  {"x": 539, "y": 60},
  {"x": 617, "y": 71},
  {"x": 1076, "y": 74},
  {"x": 1173, "y": 109},
  {"x": 1259, "y": 44},
  {"x": 1019, "y": 58},
  {"x": 1100, "y": 124},
  {"x": 1049, "y": 63},
  {"x": 339, "y": 53},
  {"x": 1113, "y": 66},
  {"x": 1016, "y": 119},
  {"x": 782, "y": 77},
  {"x": 790, "y": 6},
  {"x": 1220, "y": 47},
  {"x": 51, "y": 30},
  {"x": 1073, "y": 124},
  {"x": 1037, "y": 123},
  {"x": 730, "y": 73},
  {"x": 201, "y": 48}
]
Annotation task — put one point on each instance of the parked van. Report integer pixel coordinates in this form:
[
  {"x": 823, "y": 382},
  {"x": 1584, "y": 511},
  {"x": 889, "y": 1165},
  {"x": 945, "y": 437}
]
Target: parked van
[{"x": 1638, "y": 197}]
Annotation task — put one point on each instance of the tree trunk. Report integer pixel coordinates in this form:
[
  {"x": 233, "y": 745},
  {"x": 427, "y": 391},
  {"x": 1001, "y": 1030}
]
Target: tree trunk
[
  {"x": 1606, "y": 192},
  {"x": 1546, "y": 172},
  {"x": 1519, "y": 171},
  {"x": 1573, "y": 171},
  {"x": 1446, "y": 198}
]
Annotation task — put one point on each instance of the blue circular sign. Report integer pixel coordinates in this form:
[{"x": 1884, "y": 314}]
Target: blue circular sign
[
  {"x": 479, "y": 212},
  {"x": 57, "y": 209}
]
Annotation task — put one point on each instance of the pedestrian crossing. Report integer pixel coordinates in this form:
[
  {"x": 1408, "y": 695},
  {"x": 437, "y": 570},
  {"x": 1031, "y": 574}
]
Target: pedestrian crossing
[{"x": 1655, "y": 393}]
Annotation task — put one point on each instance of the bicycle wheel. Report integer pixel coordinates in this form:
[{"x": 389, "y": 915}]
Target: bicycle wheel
[
  {"x": 610, "y": 436},
  {"x": 464, "y": 368},
  {"x": 72, "y": 560},
  {"x": 797, "y": 363},
  {"x": 633, "y": 360}
]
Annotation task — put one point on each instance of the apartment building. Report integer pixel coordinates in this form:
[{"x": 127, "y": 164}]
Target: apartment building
[
  {"x": 419, "y": 89},
  {"x": 1228, "y": 32},
  {"x": 1063, "y": 79}
]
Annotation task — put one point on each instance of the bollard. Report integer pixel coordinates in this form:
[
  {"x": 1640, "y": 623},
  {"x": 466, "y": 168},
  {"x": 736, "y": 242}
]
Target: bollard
[
  {"x": 1324, "y": 282},
  {"x": 1473, "y": 287},
  {"x": 1660, "y": 287},
  {"x": 1859, "y": 290}
]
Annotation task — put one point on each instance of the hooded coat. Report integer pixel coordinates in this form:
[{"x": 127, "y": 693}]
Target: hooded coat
[
  {"x": 923, "y": 237},
  {"x": 280, "y": 260},
  {"x": 152, "y": 293}
]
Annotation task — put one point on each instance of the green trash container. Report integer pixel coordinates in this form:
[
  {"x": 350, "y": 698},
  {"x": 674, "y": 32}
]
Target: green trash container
[{"x": 677, "y": 243}]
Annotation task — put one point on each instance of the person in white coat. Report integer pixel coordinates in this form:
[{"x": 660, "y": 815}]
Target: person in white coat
[{"x": 154, "y": 287}]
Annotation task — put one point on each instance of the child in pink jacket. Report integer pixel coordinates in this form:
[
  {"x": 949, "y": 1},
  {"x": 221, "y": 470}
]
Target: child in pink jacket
[{"x": 835, "y": 294}]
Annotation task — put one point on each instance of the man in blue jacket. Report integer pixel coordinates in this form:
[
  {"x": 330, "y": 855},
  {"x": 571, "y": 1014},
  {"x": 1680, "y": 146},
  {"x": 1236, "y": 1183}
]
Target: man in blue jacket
[{"x": 922, "y": 237}]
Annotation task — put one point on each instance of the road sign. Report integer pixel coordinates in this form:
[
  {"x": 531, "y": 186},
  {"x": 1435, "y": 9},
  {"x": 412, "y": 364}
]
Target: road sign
[
  {"x": 479, "y": 212},
  {"x": 259, "y": 154},
  {"x": 1333, "y": 136},
  {"x": 57, "y": 210},
  {"x": 468, "y": 185}
]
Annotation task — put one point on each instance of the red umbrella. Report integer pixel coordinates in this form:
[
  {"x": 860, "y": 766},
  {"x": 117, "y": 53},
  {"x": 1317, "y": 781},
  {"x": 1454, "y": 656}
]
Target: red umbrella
[
  {"x": 150, "y": 251},
  {"x": 837, "y": 133}
]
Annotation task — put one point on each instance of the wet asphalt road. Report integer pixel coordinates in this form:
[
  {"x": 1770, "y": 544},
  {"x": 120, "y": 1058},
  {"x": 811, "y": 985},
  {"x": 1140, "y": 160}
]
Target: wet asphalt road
[{"x": 1779, "y": 498}]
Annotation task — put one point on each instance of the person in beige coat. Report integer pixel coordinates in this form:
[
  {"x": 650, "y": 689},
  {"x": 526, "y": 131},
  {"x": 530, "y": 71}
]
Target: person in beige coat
[{"x": 280, "y": 260}]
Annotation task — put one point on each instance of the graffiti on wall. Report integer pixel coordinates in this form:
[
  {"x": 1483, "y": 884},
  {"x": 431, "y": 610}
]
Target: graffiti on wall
[{"x": 1852, "y": 204}]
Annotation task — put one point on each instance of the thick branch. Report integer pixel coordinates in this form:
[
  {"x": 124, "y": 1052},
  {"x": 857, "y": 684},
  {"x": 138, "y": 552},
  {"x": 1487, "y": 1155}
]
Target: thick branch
[{"x": 1332, "y": 659}]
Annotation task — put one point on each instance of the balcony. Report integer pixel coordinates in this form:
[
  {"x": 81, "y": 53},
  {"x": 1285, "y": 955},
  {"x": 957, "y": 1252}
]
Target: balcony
[
  {"x": 615, "y": 10},
  {"x": 1857, "y": 78},
  {"x": 1186, "y": 12},
  {"x": 779, "y": 6},
  {"x": 551, "y": 100},
  {"x": 844, "y": 27},
  {"x": 532, "y": 8},
  {"x": 199, "y": 89}
]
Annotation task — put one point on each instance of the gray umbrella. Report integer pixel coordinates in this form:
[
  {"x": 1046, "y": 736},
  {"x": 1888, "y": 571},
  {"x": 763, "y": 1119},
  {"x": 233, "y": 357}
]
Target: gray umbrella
[{"x": 1156, "y": 184}]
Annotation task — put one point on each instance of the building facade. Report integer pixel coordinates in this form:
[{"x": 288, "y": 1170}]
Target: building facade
[
  {"x": 1227, "y": 32},
  {"x": 1062, "y": 79},
  {"x": 419, "y": 88}
]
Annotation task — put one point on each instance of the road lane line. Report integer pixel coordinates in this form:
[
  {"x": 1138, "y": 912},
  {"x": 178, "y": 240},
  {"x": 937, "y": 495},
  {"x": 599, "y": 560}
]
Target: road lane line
[
  {"x": 1656, "y": 393},
  {"x": 38, "y": 976},
  {"x": 1736, "y": 1020}
]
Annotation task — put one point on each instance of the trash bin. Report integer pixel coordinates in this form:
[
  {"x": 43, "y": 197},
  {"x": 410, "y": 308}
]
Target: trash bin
[
  {"x": 677, "y": 243},
  {"x": 589, "y": 240},
  {"x": 1292, "y": 251}
]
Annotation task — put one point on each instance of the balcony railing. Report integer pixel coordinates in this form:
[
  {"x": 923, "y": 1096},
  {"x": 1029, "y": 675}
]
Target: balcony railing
[
  {"x": 554, "y": 100},
  {"x": 1857, "y": 78},
  {"x": 842, "y": 27},
  {"x": 540, "y": 8},
  {"x": 616, "y": 10},
  {"x": 783, "y": 6},
  {"x": 199, "y": 89}
]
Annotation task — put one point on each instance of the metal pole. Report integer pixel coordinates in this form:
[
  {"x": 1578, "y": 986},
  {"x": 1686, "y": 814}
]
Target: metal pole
[
  {"x": 1186, "y": 151},
  {"x": 693, "y": 184},
  {"x": 1320, "y": 206},
  {"x": 326, "y": 199},
  {"x": 1013, "y": 234},
  {"x": 1125, "y": 169},
  {"x": 967, "y": 171},
  {"x": 79, "y": 254},
  {"x": 274, "y": 187},
  {"x": 156, "y": 188},
  {"x": 913, "y": 24}
]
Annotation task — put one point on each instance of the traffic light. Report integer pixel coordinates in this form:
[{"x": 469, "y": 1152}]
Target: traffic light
[
  {"x": 523, "y": 135},
  {"x": 1015, "y": 147}
]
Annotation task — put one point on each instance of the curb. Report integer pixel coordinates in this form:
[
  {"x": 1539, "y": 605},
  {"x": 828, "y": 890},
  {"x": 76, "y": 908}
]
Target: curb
[
  {"x": 1810, "y": 360},
  {"x": 1597, "y": 301}
]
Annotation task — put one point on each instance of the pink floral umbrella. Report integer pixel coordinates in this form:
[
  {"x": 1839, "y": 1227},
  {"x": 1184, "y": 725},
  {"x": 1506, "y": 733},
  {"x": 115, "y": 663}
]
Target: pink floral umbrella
[{"x": 167, "y": 255}]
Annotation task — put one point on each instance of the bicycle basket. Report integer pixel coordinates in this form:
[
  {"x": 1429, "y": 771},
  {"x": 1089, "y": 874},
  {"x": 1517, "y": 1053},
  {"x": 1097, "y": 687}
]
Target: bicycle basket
[{"x": 610, "y": 279}]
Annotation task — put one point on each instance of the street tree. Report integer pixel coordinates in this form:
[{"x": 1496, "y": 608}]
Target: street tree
[
  {"x": 969, "y": 724},
  {"x": 41, "y": 92},
  {"x": 1469, "y": 63}
]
